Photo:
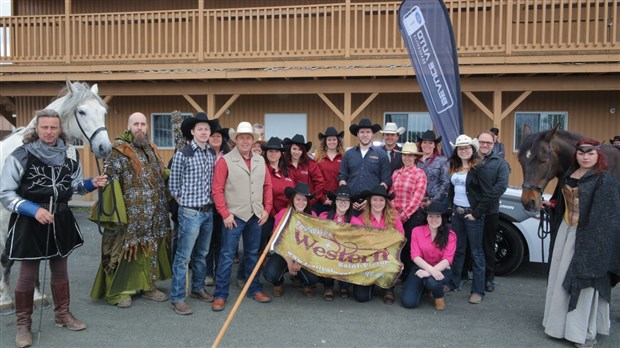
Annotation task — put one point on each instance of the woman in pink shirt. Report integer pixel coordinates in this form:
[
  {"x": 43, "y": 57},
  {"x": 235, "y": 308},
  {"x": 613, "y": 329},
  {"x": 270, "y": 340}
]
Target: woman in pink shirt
[
  {"x": 378, "y": 213},
  {"x": 277, "y": 265},
  {"x": 340, "y": 212},
  {"x": 432, "y": 252}
]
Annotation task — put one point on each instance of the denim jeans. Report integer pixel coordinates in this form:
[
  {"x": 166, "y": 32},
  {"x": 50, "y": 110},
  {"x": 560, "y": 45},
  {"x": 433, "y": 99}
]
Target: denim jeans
[
  {"x": 195, "y": 229},
  {"x": 265, "y": 235},
  {"x": 414, "y": 287},
  {"x": 214, "y": 249},
  {"x": 277, "y": 266},
  {"x": 251, "y": 232},
  {"x": 468, "y": 231}
]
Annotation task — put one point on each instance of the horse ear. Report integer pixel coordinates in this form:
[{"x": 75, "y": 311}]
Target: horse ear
[
  {"x": 94, "y": 89},
  {"x": 552, "y": 132},
  {"x": 527, "y": 130},
  {"x": 70, "y": 87}
]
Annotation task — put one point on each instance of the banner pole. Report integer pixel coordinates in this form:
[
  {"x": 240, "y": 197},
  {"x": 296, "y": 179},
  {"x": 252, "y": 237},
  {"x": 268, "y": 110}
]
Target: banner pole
[{"x": 248, "y": 282}]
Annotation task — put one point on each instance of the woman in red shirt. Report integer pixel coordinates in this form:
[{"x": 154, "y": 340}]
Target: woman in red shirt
[
  {"x": 299, "y": 198},
  {"x": 328, "y": 157},
  {"x": 378, "y": 213},
  {"x": 302, "y": 167},
  {"x": 432, "y": 251}
]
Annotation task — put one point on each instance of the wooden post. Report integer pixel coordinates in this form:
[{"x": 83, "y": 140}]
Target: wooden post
[
  {"x": 68, "y": 40},
  {"x": 347, "y": 119}
]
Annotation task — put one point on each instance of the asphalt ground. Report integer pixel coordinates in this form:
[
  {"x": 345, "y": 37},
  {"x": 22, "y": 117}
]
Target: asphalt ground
[{"x": 509, "y": 317}]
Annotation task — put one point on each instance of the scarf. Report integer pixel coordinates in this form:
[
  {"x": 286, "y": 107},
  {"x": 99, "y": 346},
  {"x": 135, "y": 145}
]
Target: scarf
[{"x": 50, "y": 155}]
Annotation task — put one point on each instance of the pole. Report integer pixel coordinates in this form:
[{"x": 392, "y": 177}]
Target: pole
[
  {"x": 47, "y": 242},
  {"x": 231, "y": 316}
]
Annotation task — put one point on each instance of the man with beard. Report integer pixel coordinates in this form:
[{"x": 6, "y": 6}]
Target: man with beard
[
  {"x": 134, "y": 256},
  {"x": 364, "y": 166}
]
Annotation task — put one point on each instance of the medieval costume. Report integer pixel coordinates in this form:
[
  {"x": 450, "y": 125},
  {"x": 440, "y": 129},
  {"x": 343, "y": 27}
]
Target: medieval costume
[
  {"x": 585, "y": 261},
  {"x": 134, "y": 255}
]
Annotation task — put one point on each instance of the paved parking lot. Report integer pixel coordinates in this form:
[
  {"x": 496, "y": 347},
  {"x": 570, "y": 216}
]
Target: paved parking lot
[{"x": 509, "y": 317}]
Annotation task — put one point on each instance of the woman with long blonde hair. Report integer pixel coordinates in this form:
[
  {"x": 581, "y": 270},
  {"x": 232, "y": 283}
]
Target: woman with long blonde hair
[{"x": 328, "y": 157}]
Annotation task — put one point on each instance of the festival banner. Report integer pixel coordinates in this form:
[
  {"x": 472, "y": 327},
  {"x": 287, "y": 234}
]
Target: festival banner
[
  {"x": 356, "y": 254},
  {"x": 428, "y": 35}
]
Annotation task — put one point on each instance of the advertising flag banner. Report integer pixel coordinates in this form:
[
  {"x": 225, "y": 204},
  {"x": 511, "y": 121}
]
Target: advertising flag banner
[
  {"x": 356, "y": 254},
  {"x": 427, "y": 32}
]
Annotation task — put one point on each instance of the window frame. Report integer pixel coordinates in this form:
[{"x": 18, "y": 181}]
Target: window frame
[
  {"x": 409, "y": 114},
  {"x": 518, "y": 129},
  {"x": 152, "y": 128}
]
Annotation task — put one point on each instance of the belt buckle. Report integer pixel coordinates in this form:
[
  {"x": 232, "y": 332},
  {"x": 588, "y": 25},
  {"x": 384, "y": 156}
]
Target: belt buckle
[{"x": 459, "y": 210}]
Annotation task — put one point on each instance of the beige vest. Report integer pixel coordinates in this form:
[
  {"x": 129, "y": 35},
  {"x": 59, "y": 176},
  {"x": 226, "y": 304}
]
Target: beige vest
[{"x": 244, "y": 188}]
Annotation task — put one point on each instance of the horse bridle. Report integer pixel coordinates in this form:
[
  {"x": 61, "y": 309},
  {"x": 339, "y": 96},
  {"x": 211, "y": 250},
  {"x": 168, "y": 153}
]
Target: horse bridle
[
  {"x": 547, "y": 179},
  {"x": 100, "y": 209}
]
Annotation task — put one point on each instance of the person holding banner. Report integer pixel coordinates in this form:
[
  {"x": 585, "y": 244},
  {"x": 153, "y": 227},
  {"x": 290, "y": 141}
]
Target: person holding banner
[
  {"x": 340, "y": 212},
  {"x": 432, "y": 251},
  {"x": 303, "y": 168},
  {"x": 364, "y": 166},
  {"x": 470, "y": 205},
  {"x": 329, "y": 157},
  {"x": 436, "y": 168},
  {"x": 378, "y": 213},
  {"x": 299, "y": 198},
  {"x": 409, "y": 188}
]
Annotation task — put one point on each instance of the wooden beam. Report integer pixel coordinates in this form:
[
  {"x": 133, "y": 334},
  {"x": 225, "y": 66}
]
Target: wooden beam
[
  {"x": 347, "y": 119},
  {"x": 67, "y": 34},
  {"x": 479, "y": 104},
  {"x": 515, "y": 103},
  {"x": 332, "y": 106},
  {"x": 211, "y": 105},
  {"x": 497, "y": 109},
  {"x": 364, "y": 105},
  {"x": 226, "y": 105},
  {"x": 107, "y": 99},
  {"x": 193, "y": 103}
]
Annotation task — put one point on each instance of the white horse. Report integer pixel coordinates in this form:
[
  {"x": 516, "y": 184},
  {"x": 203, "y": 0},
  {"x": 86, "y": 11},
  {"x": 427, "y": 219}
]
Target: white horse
[{"x": 82, "y": 113}]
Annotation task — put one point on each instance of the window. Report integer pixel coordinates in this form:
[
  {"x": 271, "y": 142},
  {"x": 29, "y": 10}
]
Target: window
[
  {"x": 161, "y": 129},
  {"x": 539, "y": 122},
  {"x": 415, "y": 124}
]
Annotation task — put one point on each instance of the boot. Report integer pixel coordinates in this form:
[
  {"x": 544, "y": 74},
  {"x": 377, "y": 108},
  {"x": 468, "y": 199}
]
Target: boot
[
  {"x": 60, "y": 293},
  {"x": 23, "y": 323}
]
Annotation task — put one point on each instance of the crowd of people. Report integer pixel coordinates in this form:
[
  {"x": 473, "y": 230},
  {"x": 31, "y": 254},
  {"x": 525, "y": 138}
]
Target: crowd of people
[{"x": 224, "y": 186}]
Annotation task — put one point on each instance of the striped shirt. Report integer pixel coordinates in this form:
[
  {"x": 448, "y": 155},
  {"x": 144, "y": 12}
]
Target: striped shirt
[{"x": 191, "y": 176}]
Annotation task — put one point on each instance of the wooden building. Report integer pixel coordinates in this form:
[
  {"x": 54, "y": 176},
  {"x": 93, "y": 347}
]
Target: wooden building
[{"x": 301, "y": 66}]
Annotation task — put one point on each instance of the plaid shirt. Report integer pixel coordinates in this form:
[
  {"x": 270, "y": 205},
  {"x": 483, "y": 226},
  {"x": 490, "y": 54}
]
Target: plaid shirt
[
  {"x": 410, "y": 187},
  {"x": 191, "y": 177}
]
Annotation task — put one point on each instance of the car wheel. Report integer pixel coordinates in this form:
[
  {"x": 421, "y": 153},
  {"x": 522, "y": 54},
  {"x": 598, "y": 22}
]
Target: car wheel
[{"x": 509, "y": 248}]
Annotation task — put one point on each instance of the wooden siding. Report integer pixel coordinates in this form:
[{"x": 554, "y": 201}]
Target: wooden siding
[{"x": 588, "y": 113}]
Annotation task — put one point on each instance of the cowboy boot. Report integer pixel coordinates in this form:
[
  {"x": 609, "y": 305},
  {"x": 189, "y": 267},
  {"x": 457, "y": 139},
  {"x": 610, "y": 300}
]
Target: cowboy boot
[
  {"x": 60, "y": 293},
  {"x": 23, "y": 323}
]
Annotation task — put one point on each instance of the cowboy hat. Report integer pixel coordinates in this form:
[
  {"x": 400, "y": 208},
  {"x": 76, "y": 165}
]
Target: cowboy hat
[
  {"x": 392, "y": 128},
  {"x": 436, "y": 208},
  {"x": 364, "y": 123},
  {"x": 301, "y": 188},
  {"x": 274, "y": 143},
  {"x": 298, "y": 139},
  {"x": 409, "y": 149},
  {"x": 243, "y": 128},
  {"x": 342, "y": 192},
  {"x": 378, "y": 190},
  {"x": 189, "y": 123},
  {"x": 464, "y": 140},
  {"x": 222, "y": 131},
  {"x": 616, "y": 138},
  {"x": 331, "y": 132},
  {"x": 430, "y": 136}
]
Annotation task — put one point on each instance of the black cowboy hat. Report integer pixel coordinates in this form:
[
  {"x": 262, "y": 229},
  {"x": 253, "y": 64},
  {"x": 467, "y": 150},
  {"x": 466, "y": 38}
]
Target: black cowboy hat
[
  {"x": 343, "y": 191},
  {"x": 378, "y": 190},
  {"x": 301, "y": 188},
  {"x": 331, "y": 132},
  {"x": 616, "y": 138},
  {"x": 436, "y": 208},
  {"x": 364, "y": 123},
  {"x": 274, "y": 143},
  {"x": 189, "y": 123},
  {"x": 222, "y": 131},
  {"x": 298, "y": 139},
  {"x": 430, "y": 136}
]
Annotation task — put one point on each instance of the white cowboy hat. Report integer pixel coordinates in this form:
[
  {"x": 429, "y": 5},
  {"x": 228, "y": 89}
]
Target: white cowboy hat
[
  {"x": 243, "y": 128},
  {"x": 464, "y": 140},
  {"x": 409, "y": 149},
  {"x": 392, "y": 128}
]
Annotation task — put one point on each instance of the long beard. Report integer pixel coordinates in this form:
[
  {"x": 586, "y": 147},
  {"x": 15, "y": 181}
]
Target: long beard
[{"x": 140, "y": 140}]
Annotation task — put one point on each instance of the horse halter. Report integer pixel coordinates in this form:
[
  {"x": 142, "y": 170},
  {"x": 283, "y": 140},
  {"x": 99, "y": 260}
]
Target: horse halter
[
  {"x": 538, "y": 188},
  {"x": 90, "y": 139}
]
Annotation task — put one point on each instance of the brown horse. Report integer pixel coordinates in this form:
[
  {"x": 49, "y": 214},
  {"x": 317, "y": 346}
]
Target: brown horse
[{"x": 547, "y": 155}]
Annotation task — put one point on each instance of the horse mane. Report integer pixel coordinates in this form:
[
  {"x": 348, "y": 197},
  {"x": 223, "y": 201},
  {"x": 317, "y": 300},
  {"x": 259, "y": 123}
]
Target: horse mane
[
  {"x": 536, "y": 138},
  {"x": 75, "y": 99}
]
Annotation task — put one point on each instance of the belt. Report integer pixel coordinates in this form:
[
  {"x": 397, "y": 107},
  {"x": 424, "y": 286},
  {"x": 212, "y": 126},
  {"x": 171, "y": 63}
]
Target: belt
[
  {"x": 462, "y": 210},
  {"x": 57, "y": 206},
  {"x": 205, "y": 207}
]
